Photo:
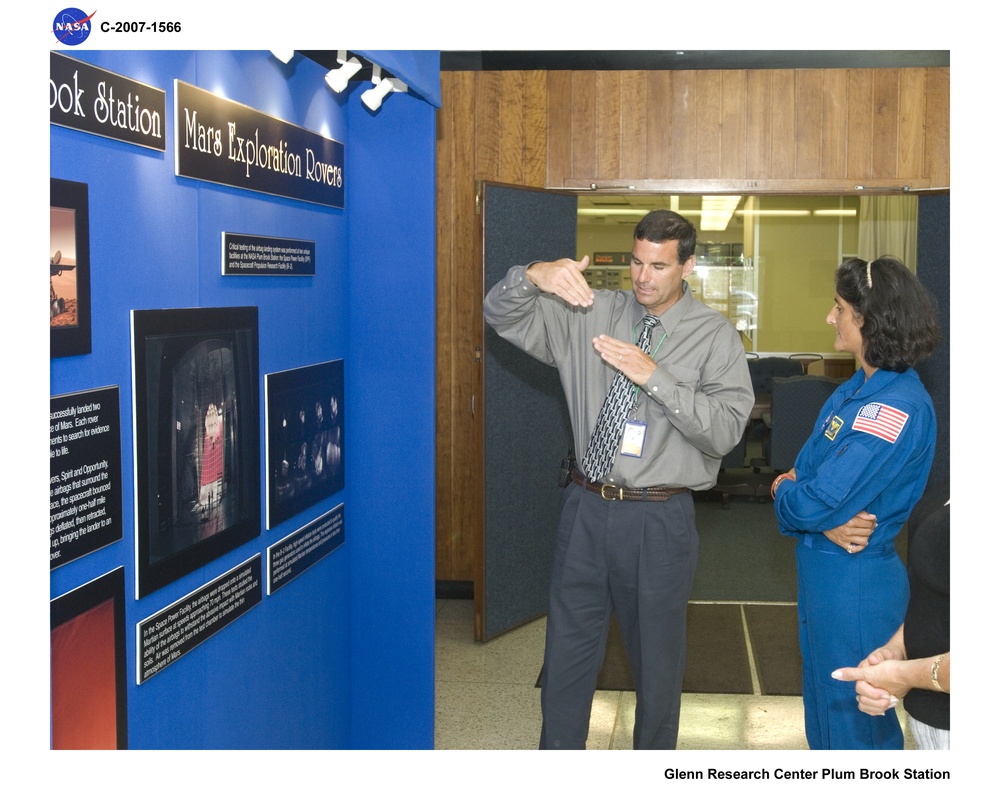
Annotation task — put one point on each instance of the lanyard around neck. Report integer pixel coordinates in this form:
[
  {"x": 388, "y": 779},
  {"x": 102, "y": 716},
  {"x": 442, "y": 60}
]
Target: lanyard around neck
[{"x": 635, "y": 338}]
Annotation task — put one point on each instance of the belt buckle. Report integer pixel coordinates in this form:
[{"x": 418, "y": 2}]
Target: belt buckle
[{"x": 612, "y": 487}]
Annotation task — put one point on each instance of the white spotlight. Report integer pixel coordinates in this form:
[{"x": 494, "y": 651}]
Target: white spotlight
[
  {"x": 373, "y": 97},
  {"x": 284, "y": 56},
  {"x": 338, "y": 78},
  {"x": 383, "y": 86}
]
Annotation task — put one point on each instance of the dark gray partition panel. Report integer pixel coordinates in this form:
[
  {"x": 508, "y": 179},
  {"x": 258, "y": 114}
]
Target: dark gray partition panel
[
  {"x": 527, "y": 430},
  {"x": 934, "y": 271}
]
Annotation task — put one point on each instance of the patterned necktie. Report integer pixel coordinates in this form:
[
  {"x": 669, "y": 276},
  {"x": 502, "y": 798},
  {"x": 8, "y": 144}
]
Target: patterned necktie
[{"x": 614, "y": 414}]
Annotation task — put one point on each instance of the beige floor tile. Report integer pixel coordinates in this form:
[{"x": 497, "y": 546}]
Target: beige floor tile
[
  {"x": 740, "y": 722},
  {"x": 622, "y": 739},
  {"x": 455, "y": 611},
  {"x": 514, "y": 658},
  {"x": 603, "y": 719},
  {"x": 479, "y": 716}
]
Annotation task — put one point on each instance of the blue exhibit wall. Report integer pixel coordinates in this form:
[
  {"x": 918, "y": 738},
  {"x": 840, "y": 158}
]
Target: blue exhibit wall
[
  {"x": 341, "y": 657},
  {"x": 391, "y": 289}
]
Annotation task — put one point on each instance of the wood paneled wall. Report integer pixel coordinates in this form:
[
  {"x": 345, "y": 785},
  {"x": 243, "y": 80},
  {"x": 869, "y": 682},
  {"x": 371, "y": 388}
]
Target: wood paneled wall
[{"x": 821, "y": 131}]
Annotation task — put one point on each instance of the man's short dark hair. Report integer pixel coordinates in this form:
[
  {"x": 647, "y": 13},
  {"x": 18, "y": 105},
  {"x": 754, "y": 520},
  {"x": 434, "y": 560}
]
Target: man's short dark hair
[{"x": 663, "y": 225}]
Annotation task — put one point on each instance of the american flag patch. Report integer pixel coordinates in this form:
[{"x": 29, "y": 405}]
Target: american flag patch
[{"x": 884, "y": 421}]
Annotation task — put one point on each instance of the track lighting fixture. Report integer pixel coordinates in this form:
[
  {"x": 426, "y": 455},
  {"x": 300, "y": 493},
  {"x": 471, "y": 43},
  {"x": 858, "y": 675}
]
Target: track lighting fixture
[
  {"x": 284, "y": 56},
  {"x": 382, "y": 87},
  {"x": 337, "y": 79}
]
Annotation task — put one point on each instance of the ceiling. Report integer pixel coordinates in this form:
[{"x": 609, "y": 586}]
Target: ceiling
[
  {"x": 476, "y": 60},
  {"x": 627, "y": 210},
  {"x": 633, "y": 204},
  {"x": 461, "y": 60}
]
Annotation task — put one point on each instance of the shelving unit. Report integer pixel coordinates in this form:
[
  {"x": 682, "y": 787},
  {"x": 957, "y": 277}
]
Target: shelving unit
[{"x": 725, "y": 280}]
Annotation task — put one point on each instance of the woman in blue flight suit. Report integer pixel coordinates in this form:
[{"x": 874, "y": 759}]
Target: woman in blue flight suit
[{"x": 853, "y": 487}]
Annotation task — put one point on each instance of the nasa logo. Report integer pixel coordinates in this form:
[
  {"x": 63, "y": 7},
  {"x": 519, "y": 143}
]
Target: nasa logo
[{"x": 71, "y": 26}]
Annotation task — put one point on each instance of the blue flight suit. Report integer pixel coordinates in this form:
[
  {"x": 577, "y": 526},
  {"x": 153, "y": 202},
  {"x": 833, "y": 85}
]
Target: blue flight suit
[{"x": 871, "y": 450}]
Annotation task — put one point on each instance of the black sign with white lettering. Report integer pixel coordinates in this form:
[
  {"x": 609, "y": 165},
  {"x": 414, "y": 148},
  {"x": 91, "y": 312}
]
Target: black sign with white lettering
[
  {"x": 224, "y": 142},
  {"x": 176, "y": 630},
  {"x": 244, "y": 254},
  {"x": 85, "y": 481},
  {"x": 90, "y": 99},
  {"x": 293, "y": 555}
]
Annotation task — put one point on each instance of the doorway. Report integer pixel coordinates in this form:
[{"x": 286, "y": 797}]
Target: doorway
[{"x": 813, "y": 234}]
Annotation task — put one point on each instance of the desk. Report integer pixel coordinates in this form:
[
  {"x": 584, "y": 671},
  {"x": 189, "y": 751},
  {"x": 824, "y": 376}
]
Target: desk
[{"x": 761, "y": 405}]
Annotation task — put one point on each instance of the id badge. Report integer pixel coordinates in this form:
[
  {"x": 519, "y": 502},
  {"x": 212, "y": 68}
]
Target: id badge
[{"x": 633, "y": 438}]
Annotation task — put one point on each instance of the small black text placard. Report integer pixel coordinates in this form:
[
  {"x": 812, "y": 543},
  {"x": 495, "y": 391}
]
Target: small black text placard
[
  {"x": 244, "y": 254},
  {"x": 176, "y": 630}
]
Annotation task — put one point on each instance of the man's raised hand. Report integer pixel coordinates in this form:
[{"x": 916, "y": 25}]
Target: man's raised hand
[{"x": 563, "y": 278}]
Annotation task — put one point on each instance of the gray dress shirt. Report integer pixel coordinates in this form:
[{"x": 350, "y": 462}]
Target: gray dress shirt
[{"x": 695, "y": 405}]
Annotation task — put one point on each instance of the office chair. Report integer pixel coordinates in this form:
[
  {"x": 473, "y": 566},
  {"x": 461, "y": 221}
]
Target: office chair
[
  {"x": 764, "y": 370},
  {"x": 736, "y": 482},
  {"x": 736, "y": 458},
  {"x": 805, "y": 359},
  {"x": 795, "y": 407}
]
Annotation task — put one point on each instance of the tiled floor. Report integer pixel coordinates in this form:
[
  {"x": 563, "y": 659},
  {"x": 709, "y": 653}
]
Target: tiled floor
[{"x": 486, "y": 699}]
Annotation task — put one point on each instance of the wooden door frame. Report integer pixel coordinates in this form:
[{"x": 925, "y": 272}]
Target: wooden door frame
[{"x": 687, "y": 187}]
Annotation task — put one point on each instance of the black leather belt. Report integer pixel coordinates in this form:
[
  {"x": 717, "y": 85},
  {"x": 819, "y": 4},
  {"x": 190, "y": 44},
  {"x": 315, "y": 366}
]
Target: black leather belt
[{"x": 610, "y": 491}]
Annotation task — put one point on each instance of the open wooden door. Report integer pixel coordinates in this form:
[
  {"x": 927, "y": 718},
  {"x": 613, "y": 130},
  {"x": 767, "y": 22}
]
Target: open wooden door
[{"x": 526, "y": 429}]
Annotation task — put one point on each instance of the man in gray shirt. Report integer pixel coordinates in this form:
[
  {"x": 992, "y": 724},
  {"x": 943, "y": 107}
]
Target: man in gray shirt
[{"x": 626, "y": 538}]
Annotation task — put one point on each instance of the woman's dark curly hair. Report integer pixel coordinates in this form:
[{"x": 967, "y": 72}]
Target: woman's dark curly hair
[{"x": 899, "y": 325}]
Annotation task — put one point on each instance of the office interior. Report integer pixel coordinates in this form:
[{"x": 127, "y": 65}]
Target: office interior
[
  {"x": 369, "y": 649},
  {"x": 764, "y": 262}
]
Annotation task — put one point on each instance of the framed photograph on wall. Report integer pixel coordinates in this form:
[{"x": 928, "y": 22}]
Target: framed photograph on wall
[
  {"x": 69, "y": 268},
  {"x": 88, "y": 683},
  {"x": 197, "y": 440},
  {"x": 304, "y": 409}
]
